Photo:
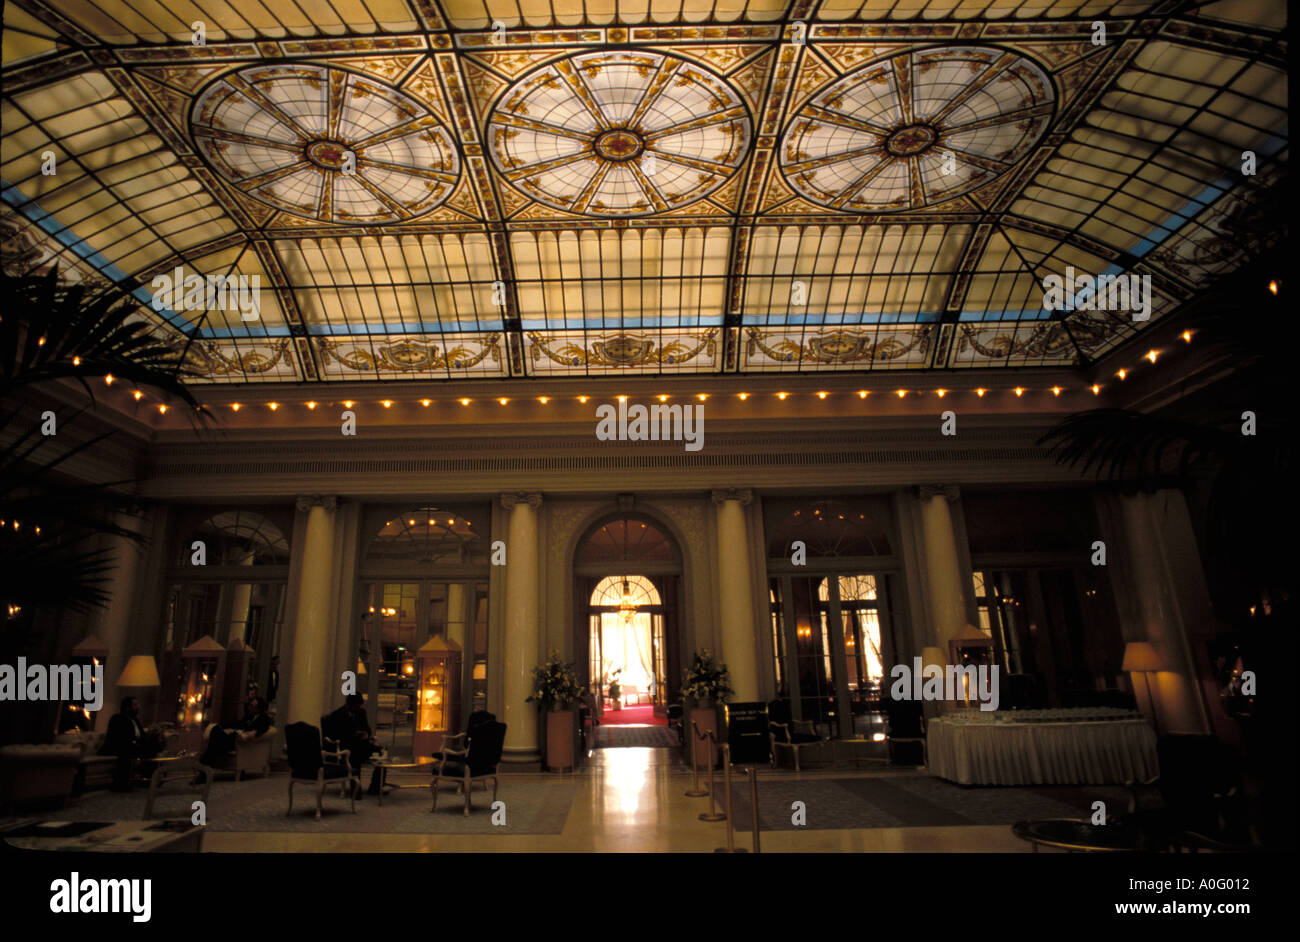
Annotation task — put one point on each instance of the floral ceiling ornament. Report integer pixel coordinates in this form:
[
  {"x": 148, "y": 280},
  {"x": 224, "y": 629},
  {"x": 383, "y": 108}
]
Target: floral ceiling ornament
[
  {"x": 619, "y": 133},
  {"x": 917, "y": 128},
  {"x": 325, "y": 143}
]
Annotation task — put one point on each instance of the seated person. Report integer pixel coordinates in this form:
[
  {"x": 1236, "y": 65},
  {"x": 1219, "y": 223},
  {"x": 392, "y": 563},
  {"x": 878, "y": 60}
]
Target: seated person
[
  {"x": 221, "y": 742},
  {"x": 126, "y": 739},
  {"x": 349, "y": 727}
]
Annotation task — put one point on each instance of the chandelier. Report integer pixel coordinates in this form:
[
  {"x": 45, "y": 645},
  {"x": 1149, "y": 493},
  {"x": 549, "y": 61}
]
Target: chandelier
[{"x": 626, "y": 607}]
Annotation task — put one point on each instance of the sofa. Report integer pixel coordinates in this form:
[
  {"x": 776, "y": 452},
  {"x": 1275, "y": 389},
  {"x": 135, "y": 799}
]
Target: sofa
[
  {"x": 94, "y": 770},
  {"x": 38, "y": 773},
  {"x": 253, "y": 755}
]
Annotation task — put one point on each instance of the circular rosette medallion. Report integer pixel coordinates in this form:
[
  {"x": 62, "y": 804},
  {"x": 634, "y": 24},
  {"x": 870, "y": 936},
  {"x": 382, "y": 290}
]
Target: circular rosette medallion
[
  {"x": 325, "y": 143},
  {"x": 619, "y": 133},
  {"x": 917, "y": 128}
]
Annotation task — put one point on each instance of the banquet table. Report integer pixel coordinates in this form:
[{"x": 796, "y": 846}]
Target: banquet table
[{"x": 979, "y": 750}]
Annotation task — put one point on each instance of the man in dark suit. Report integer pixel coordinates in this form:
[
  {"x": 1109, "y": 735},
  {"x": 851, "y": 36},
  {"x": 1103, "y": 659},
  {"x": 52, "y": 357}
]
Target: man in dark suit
[
  {"x": 255, "y": 722},
  {"x": 349, "y": 727},
  {"x": 127, "y": 740}
]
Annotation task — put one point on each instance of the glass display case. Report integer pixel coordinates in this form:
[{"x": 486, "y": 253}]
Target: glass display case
[
  {"x": 203, "y": 666},
  {"x": 437, "y": 707}
]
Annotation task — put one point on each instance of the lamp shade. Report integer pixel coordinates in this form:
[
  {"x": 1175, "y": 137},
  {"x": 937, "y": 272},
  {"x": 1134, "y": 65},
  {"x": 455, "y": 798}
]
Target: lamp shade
[
  {"x": 933, "y": 655},
  {"x": 1141, "y": 656},
  {"x": 140, "y": 671}
]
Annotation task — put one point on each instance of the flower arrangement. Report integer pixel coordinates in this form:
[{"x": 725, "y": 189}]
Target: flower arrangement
[
  {"x": 555, "y": 684},
  {"x": 613, "y": 686},
  {"x": 705, "y": 679}
]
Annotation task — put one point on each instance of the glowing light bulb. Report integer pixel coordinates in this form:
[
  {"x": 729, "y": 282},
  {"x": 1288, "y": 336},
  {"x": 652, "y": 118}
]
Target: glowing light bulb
[
  {"x": 1019, "y": 391},
  {"x": 137, "y": 395},
  {"x": 701, "y": 396},
  {"x": 543, "y": 400},
  {"x": 1122, "y": 374},
  {"x": 941, "y": 393},
  {"x": 465, "y": 402},
  {"x": 1187, "y": 336},
  {"x": 662, "y": 398},
  {"x": 273, "y": 406},
  {"x": 1096, "y": 390},
  {"x": 980, "y": 392},
  {"x": 347, "y": 403},
  {"x": 1152, "y": 354},
  {"x": 162, "y": 408},
  {"x": 863, "y": 394},
  {"x": 742, "y": 396},
  {"x": 234, "y": 407},
  {"x": 583, "y": 399},
  {"x": 426, "y": 402},
  {"x": 108, "y": 379},
  {"x": 311, "y": 405},
  {"x": 622, "y": 398},
  {"x": 1056, "y": 390},
  {"x": 387, "y": 403},
  {"x": 782, "y": 396},
  {"x": 901, "y": 393},
  {"x": 1272, "y": 287},
  {"x": 822, "y": 395},
  {"x": 503, "y": 400}
]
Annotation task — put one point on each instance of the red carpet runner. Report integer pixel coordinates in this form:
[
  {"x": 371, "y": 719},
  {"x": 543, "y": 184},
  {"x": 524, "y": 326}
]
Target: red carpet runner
[{"x": 636, "y": 714}]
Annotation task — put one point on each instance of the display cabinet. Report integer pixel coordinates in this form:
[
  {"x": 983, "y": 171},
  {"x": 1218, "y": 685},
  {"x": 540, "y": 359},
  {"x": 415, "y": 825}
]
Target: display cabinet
[
  {"x": 437, "y": 705},
  {"x": 203, "y": 667}
]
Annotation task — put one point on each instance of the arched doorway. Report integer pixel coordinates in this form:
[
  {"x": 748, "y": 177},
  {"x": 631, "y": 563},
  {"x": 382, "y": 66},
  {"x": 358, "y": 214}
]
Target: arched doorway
[{"x": 628, "y": 572}]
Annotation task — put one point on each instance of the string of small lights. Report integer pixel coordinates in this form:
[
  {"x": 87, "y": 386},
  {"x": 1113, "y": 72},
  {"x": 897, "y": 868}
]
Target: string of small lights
[{"x": 1152, "y": 356}]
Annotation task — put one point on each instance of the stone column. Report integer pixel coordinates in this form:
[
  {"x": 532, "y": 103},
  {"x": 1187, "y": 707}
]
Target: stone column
[
  {"x": 947, "y": 585},
  {"x": 1168, "y": 602},
  {"x": 115, "y": 621},
  {"x": 312, "y": 649},
  {"x": 736, "y": 593},
  {"x": 239, "y": 605},
  {"x": 523, "y": 624},
  {"x": 456, "y": 612}
]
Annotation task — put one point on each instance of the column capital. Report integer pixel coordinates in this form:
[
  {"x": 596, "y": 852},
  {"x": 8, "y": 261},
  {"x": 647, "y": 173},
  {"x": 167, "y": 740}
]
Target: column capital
[
  {"x": 928, "y": 491},
  {"x": 329, "y": 502},
  {"x": 742, "y": 494},
  {"x": 533, "y": 500}
]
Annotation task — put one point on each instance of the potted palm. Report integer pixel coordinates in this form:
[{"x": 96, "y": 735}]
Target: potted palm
[
  {"x": 556, "y": 691},
  {"x": 708, "y": 684}
]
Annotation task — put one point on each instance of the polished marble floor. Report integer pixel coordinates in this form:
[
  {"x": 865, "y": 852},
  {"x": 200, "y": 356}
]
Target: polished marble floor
[{"x": 634, "y": 799}]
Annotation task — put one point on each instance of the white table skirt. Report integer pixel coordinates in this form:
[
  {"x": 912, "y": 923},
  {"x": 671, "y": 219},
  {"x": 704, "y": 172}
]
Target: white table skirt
[{"x": 1110, "y": 752}]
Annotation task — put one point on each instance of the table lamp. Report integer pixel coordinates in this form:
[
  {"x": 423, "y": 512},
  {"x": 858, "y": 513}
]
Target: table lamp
[
  {"x": 140, "y": 671},
  {"x": 1141, "y": 657}
]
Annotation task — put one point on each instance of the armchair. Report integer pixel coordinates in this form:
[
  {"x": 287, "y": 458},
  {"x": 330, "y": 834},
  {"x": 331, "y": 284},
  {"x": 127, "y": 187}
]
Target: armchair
[
  {"x": 456, "y": 742},
  {"x": 477, "y": 763},
  {"x": 783, "y": 732},
  {"x": 904, "y": 723},
  {"x": 249, "y": 755},
  {"x": 188, "y": 777},
  {"x": 309, "y": 764}
]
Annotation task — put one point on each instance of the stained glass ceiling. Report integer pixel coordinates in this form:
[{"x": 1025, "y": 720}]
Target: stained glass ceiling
[{"x": 441, "y": 189}]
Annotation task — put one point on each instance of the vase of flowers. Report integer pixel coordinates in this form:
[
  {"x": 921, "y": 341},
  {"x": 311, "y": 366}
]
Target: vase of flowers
[
  {"x": 556, "y": 691},
  {"x": 615, "y": 689},
  {"x": 708, "y": 684}
]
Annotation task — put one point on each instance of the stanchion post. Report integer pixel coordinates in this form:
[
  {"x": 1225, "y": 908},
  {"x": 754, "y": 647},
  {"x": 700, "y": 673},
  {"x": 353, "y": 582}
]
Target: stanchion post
[
  {"x": 753, "y": 801},
  {"x": 695, "y": 791},
  {"x": 726, "y": 783},
  {"x": 713, "y": 814}
]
